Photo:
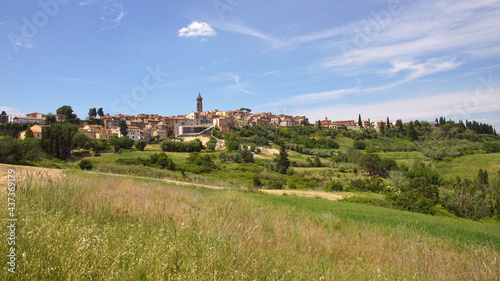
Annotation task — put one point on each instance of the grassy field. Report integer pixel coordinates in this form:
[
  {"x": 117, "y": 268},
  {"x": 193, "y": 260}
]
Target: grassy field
[
  {"x": 468, "y": 166},
  {"x": 86, "y": 226}
]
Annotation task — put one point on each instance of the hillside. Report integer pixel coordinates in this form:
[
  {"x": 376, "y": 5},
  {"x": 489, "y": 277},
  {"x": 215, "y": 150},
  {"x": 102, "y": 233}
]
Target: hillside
[{"x": 91, "y": 226}]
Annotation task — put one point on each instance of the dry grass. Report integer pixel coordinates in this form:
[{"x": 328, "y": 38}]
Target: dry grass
[{"x": 113, "y": 228}]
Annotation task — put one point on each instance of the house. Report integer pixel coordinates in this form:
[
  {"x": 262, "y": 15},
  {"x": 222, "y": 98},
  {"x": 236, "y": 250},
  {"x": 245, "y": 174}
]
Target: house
[
  {"x": 36, "y": 129},
  {"x": 29, "y": 120},
  {"x": 36, "y": 115},
  {"x": 60, "y": 118},
  {"x": 223, "y": 123}
]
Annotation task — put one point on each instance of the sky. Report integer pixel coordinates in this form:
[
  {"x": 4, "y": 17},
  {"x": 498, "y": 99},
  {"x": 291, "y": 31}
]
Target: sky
[{"x": 336, "y": 59}]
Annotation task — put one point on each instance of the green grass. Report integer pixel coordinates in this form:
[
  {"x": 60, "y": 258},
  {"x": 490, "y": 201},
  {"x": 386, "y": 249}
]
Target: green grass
[
  {"x": 468, "y": 166},
  {"x": 87, "y": 226},
  {"x": 463, "y": 231}
]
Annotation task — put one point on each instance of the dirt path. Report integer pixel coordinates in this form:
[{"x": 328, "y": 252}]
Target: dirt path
[
  {"x": 56, "y": 174},
  {"x": 307, "y": 193}
]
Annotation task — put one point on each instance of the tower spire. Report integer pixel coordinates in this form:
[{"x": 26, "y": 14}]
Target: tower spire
[{"x": 199, "y": 103}]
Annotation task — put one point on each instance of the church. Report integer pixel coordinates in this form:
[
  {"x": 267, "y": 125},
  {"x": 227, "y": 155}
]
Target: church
[{"x": 193, "y": 124}]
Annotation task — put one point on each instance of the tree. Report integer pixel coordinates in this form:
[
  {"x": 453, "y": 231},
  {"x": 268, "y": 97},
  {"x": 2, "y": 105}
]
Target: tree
[
  {"x": 80, "y": 140},
  {"x": 412, "y": 132},
  {"x": 4, "y": 118},
  {"x": 232, "y": 141},
  {"x": 29, "y": 134},
  {"x": 140, "y": 145},
  {"x": 256, "y": 181},
  {"x": 361, "y": 145},
  {"x": 92, "y": 113},
  {"x": 282, "y": 161},
  {"x": 100, "y": 112},
  {"x": 388, "y": 123},
  {"x": 370, "y": 162},
  {"x": 57, "y": 139},
  {"x": 360, "y": 122},
  {"x": 50, "y": 119},
  {"x": 482, "y": 181},
  {"x": 246, "y": 110},
  {"x": 66, "y": 110},
  {"x": 123, "y": 128},
  {"x": 85, "y": 164},
  {"x": 212, "y": 143}
]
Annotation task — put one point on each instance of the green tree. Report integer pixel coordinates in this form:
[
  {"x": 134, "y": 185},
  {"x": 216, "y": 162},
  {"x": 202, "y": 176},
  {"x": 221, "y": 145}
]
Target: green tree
[
  {"x": 85, "y": 164},
  {"x": 370, "y": 162},
  {"x": 29, "y": 134},
  {"x": 361, "y": 145},
  {"x": 246, "y": 110},
  {"x": 92, "y": 113},
  {"x": 360, "y": 122},
  {"x": 412, "y": 132},
  {"x": 212, "y": 143},
  {"x": 256, "y": 181},
  {"x": 140, "y": 145},
  {"x": 123, "y": 128},
  {"x": 80, "y": 140},
  {"x": 50, "y": 119},
  {"x": 66, "y": 110},
  {"x": 57, "y": 139},
  {"x": 482, "y": 181},
  {"x": 232, "y": 141},
  {"x": 282, "y": 161},
  {"x": 100, "y": 112}
]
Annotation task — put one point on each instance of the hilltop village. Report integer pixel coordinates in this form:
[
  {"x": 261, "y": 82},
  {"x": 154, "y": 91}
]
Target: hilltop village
[{"x": 196, "y": 123}]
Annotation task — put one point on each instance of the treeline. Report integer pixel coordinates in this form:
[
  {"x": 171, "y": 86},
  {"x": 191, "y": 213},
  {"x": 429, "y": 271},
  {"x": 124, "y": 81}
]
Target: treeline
[{"x": 180, "y": 146}]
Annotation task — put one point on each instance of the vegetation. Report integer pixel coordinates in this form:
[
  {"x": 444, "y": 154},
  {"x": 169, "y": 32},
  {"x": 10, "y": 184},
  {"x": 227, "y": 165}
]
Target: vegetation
[
  {"x": 140, "y": 145},
  {"x": 180, "y": 146},
  {"x": 149, "y": 230}
]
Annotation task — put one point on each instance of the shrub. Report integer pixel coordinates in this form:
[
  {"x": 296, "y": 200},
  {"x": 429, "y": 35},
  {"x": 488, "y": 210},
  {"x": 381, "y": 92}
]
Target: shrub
[
  {"x": 276, "y": 184},
  {"x": 361, "y": 145},
  {"x": 85, "y": 164},
  {"x": 333, "y": 186},
  {"x": 140, "y": 145},
  {"x": 179, "y": 146}
]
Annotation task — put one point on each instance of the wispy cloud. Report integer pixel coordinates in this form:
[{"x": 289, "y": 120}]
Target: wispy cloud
[
  {"x": 238, "y": 86},
  {"x": 197, "y": 29},
  {"x": 245, "y": 30},
  {"x": 460, "y": 27},
  {"x": 412, "y": 69},
  {"x": 112, "y": 12}
]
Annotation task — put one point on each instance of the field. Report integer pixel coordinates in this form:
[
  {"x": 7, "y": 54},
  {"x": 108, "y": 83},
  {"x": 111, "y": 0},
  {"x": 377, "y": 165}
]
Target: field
[{"x": 79, "y": 226}]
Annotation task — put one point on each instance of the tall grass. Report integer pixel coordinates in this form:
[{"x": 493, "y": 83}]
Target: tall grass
[{"x": 111, "y": 228}]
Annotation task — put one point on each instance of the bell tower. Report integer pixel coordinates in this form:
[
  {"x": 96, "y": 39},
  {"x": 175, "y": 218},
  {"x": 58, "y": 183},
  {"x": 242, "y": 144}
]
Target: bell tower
[{"x": 199, "y": 103}]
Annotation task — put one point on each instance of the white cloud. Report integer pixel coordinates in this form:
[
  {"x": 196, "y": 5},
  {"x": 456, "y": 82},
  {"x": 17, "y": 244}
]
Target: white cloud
[{"x": 197, "y": 29}]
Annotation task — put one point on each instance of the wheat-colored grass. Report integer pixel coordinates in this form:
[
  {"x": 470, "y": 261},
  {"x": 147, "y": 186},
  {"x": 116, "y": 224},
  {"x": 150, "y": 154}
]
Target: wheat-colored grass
[{"x": 97, "y": 227}]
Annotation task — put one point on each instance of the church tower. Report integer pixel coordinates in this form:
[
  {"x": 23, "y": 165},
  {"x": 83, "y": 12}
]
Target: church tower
[{"x": 199, "y": 103}]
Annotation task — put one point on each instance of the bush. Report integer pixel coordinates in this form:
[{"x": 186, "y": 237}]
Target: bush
[
  {"x": 276, "y": 184},
  {"x": 85, "y": 164},
  {"x": 361, "y": 145},
  {"x": 333, "y": 186},
  {"x": 179, "y": 146},
  {"x": 140, "y": 145}
]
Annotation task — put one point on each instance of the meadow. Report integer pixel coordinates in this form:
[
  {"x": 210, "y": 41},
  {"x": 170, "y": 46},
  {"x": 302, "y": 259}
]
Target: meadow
[{"x": 87, "y": 225}]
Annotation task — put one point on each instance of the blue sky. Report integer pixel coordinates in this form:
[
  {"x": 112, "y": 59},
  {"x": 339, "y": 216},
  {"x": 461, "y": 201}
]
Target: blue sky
[{"x": 396, "y": 59}]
